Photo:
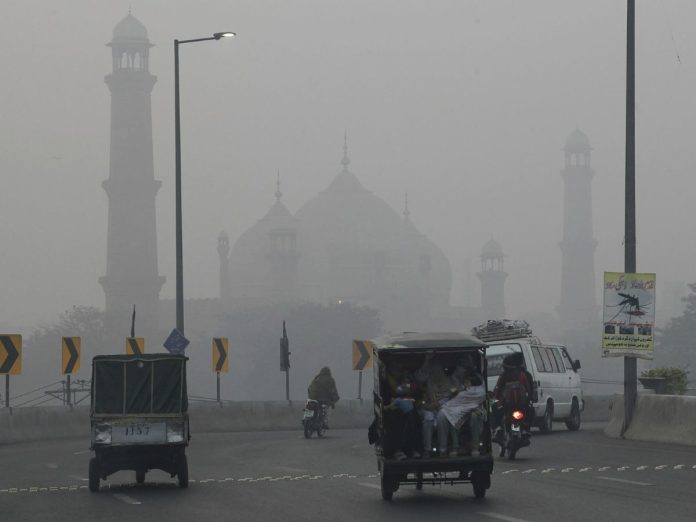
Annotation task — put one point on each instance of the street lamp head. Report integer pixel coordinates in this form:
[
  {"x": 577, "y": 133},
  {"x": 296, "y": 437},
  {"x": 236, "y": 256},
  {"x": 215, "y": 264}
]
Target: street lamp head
[{"x": 227, "y": 34}]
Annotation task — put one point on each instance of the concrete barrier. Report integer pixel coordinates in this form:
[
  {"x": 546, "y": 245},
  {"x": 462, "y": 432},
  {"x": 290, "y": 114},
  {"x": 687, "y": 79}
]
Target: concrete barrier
[
  {"x": 657, "y": 418},
  {"x": 43, "y": 423},
  {"x": 597, "y": 408}
]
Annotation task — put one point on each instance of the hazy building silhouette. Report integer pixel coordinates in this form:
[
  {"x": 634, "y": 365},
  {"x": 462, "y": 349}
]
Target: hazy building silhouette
[
  {"x": 492, "y": 276},
  {"x": 578, "y": 309},
  {"x": 132, "y": 276},
  {"x": 343, "y": 245}
]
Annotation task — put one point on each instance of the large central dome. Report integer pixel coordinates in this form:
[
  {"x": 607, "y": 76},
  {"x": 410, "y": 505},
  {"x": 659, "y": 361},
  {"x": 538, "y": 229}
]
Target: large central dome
[{"x": 344, "y": 244}]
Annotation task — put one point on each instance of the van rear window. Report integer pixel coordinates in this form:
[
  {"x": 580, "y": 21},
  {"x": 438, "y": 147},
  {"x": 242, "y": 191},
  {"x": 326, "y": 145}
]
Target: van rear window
[{"x": 495, "y": 355}]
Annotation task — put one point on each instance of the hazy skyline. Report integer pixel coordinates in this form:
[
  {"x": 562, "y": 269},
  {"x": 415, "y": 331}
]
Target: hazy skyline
[{"x": 464, "y": 105}]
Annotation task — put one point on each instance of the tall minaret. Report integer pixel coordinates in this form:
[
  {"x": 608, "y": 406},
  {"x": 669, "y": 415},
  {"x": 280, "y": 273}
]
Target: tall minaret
[
  {"x": 578, "y": 307},
  {"x": 131, "y": 258},
  {"x": 492, "y": 276}
]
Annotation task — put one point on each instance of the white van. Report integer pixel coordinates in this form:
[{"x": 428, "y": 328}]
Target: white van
[{"x": 556, "y": 378}]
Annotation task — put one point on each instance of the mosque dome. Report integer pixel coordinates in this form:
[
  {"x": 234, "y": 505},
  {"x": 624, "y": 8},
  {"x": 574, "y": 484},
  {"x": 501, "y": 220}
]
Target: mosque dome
[
  {"x": 492, "y": 249},
  {"x": 347, "y": 245},
  {"x": 577, "y": 141},
  {"x": 365, "y": 251},
  {"x": 130, "y": 29}
]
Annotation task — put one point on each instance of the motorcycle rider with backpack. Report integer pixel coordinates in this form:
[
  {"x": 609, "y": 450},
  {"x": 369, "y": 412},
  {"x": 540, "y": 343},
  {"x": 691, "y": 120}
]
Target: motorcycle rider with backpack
[{"x": 513, "y": 390}]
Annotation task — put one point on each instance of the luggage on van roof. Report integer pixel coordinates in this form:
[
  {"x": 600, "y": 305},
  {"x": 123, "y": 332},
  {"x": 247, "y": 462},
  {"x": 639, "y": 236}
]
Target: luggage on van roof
[{"x": 503, "y": 329}]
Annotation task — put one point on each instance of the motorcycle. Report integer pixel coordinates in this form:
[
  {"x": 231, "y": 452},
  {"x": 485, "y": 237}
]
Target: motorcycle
[
  {"x": 514, "y": 434},
  {"x": 314, "y": 418}
]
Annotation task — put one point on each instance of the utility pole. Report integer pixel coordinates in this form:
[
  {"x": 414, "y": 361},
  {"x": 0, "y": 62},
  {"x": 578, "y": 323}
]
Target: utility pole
[{"x": 630, "y": 363}]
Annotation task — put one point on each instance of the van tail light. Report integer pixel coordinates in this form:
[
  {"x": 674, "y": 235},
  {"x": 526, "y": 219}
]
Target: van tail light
[{"x": 517, "y": 415}]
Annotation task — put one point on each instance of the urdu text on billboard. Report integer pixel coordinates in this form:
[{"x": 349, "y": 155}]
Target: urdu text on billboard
[{"x": 629, "y": 315}]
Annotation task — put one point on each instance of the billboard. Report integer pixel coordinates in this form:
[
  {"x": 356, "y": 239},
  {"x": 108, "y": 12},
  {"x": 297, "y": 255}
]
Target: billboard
[{"x": 629, "y": 315}]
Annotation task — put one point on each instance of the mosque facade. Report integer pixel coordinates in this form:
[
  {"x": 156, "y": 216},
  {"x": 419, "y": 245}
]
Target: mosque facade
[{"x": 343, "y": 245}]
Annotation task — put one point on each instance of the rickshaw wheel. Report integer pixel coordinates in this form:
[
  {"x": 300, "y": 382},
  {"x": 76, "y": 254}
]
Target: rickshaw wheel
[
  {"x": 480, "y": 482},
  {"x": 307, "y": 431},
  {"x": 386, "y": 485},
  {"x": 182, "y": 472},
  {"x": 139, "y": 477},
  {"x": 93, "y": 475},
  {"x": 320, "y": 432}
]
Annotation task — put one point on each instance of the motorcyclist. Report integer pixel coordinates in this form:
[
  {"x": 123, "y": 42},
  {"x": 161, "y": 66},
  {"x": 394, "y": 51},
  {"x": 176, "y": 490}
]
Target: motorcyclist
[
  {"x": 513, "y": 390},
  {"x": 323, "y": 389}
]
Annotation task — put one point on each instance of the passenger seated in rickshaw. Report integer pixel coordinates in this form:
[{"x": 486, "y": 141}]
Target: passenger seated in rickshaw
[
  {"x": 465, "y": 410},
  {"x": 402, "y": 423},
  {"x": 438, "y": 390}
]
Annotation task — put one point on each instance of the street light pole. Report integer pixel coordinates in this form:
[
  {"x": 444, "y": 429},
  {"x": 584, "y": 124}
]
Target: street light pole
[
  {"x": 177, "y": 149},
  {"x": 630, "y": 363}
]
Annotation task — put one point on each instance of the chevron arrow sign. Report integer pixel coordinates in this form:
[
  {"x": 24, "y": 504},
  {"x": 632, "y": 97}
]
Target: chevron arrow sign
[
  {"x": 220, "y": 355},
  {"x": 362, "y": 355},
  {"x": 135, "y": 345},
  {"x": 10, "y": 354},
  {"x": 71, "y": 355}
]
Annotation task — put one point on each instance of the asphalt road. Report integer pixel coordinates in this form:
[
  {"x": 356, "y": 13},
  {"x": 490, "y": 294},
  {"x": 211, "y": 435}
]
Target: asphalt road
[{"x": 272, "y": 476}]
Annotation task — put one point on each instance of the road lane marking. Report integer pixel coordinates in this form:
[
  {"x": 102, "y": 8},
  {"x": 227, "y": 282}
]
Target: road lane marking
[
  {"x": 126, "y": 499},
  {"x": 498, "y": 516},
  {"x": 77, "y": 477},
  {"x": 624, "y": 481},
  {"x": 660, "y": 468},
  {"x": 52, "y": 465},
  {"x": 368, "y": 485},
  {"x": 81, "y": 452}
]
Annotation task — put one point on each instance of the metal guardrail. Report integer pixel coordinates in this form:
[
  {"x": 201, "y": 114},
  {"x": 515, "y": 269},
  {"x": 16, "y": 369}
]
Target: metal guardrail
[{"x": 79, "y": 391}]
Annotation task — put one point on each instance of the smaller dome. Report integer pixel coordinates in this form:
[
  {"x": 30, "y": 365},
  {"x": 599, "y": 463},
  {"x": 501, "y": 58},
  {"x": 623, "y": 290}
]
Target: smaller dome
[
  {"x": 577, "y": 141},
  {"x": 492, "y": 249},
  {"x": 130, "y": 29}
]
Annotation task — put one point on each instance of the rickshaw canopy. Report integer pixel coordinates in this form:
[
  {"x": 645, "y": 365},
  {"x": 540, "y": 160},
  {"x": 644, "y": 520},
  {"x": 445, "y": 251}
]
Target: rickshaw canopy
[
  {"x": 139, "y": 384},
  {"x": 412, "y": 342}
]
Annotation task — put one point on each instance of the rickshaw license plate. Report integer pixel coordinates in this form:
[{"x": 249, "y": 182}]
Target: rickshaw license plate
[
  {"x": 308, "y": 414},
  {"x": 137, "y": 432}
]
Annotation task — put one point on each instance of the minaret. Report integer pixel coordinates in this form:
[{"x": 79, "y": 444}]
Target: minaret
[
  {"x": 223, "y": 248},
  {"x": 131, "y": 259},
  {"x": 492, "y": 276},
  {"x": 578, "y": 306}
]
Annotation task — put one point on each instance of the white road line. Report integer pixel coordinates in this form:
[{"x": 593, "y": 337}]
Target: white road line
[
  {"x": 81, "y": 452},
  {"x": 78, "y": 477},
  {"x": 126, "y": 499},
  {"x": 52, "y": 465},
  {"x": 624, "y": 481},
  {"x": 498, "y": 516},
  {"x": 369, "y": 485}
]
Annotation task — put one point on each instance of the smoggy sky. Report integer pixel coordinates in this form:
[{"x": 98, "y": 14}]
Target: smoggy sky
[{"x": 465, "y": 105}]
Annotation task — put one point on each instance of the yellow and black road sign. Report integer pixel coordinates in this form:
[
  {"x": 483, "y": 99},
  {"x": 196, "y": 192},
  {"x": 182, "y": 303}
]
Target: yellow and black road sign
[
  {"x": 221, "y": 361},
  {"x": 362, "y": 355},
  {"x": 10, "y": 354},
  {"x": 71, "y": 355},
  {"x": 135, "y": 345}
]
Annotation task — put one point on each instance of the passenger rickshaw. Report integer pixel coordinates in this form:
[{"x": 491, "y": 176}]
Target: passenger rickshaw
[
  {"x": 409, "y": 351},
  {"x": 139, "y": 416}
]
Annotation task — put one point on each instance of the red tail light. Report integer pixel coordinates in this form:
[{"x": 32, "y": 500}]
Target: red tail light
[{"x": 517, "y": 415}]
